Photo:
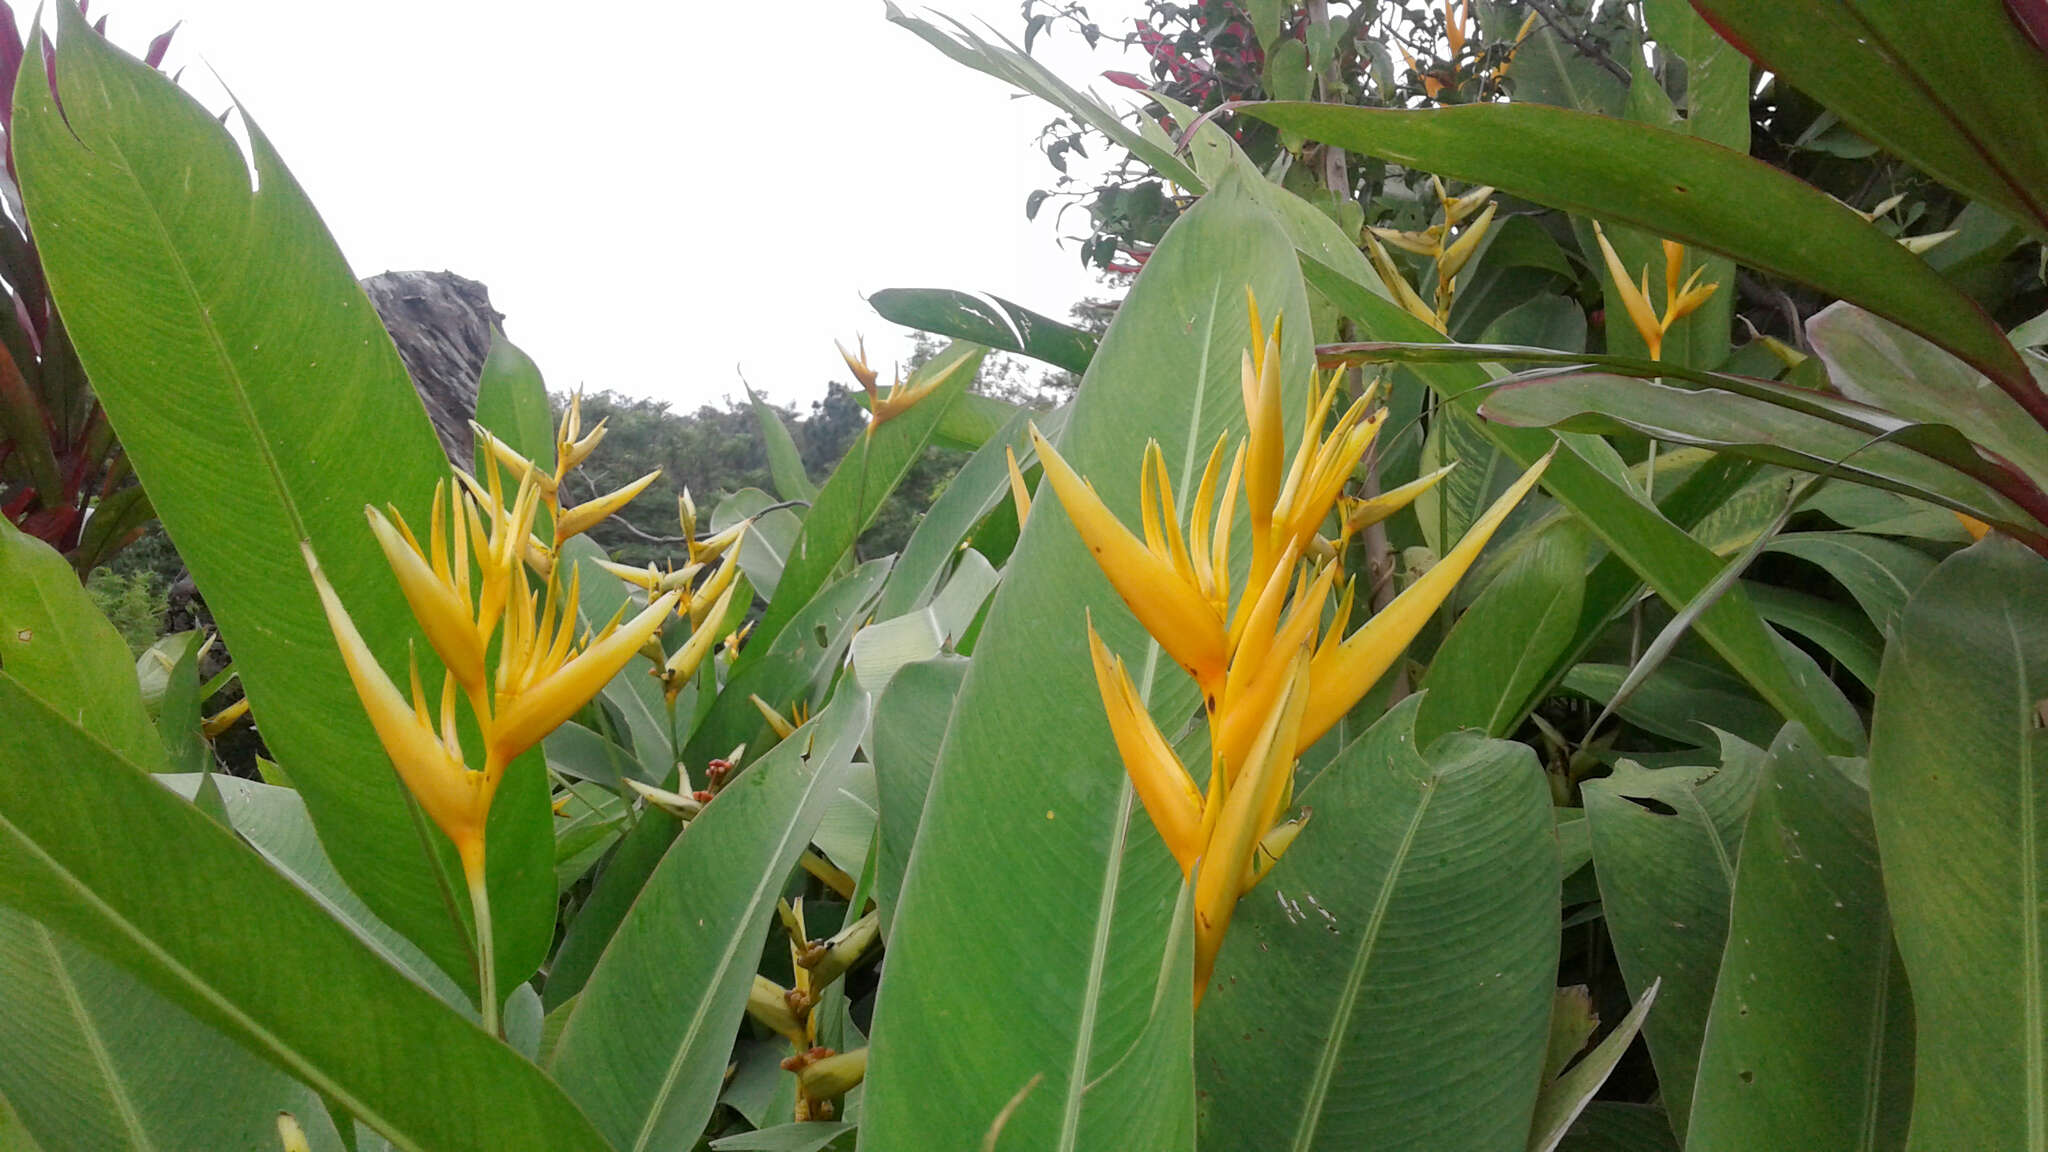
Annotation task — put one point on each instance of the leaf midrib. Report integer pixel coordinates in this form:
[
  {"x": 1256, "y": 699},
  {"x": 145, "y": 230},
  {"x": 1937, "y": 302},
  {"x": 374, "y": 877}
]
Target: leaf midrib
[
  {"x": 1347, "y": 1001},
  {"x": 1098, "y": 954},
  {"x": 123, "y": 1106}
]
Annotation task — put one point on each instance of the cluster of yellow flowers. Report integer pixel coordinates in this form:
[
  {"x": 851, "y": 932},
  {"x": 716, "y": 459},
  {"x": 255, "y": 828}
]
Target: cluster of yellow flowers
[
  {"x": 1275, "y": 667},
  {"x": 469, "y": 588}
]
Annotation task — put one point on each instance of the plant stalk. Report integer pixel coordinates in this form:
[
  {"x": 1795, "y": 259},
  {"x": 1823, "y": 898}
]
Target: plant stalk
[{"x": 486, "y": 951}]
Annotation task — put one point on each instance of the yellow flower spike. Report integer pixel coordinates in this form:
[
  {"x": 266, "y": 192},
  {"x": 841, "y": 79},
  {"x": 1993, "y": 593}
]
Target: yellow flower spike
[
  {"x": 511, "y": 460},
  {"x": 686, "y": 514},
  {"x": 858, "y": 365},
  {"x": 1255, "y": 697},
  {"x": 1635, "y": 299},
  {"x": 582, "y": 518},
  {"x": 570, "y": 454},
  {"x": 1238, "y": 829},
  {"x": 1020, "y": 495},
  {"x": 768, "y": 1003},
  {"x": 290, "y": 1135},
  {"x": 1175, "y": 547},
  {"x": 453, "y": 797},
  {"x": 777, "y": 723},
  {"x": 1184, "y": 622},
  {"x": 1689, "y": 298},
  {"x": 1271, "y": 848},
  {"x": 1674, "y": 267},
  {"x": 713, "y": 546},
  {"x": 1416, "y": 243},
  {"x": 1251, "y": 630},
  {"x": 716, "y": 590},
  {"x": 834, "y": 1076},
  {"x": 1461, "y": 249},
  {"x": 651, "y": 579},
  {"x": 1157, "y": 776},
  {"x": 543, "y": 707},
  {"x": 1344, "y": 672},
  {"x": 1463, "y": 205},
  {"x": 225, "y": 719},
  {"x": 1397, "y": 284},
  {"x": 1362, "y": 514},
  {"x": 1454, "y": 27},
  {"x": 683, "y": 665},
  {"x": 443, "y": 613},
  {"x": 1212, "y": 578},
  {"x": 1919, "y": 245},
  {"x": 1265, "y": 447},
  {"x": 1975, "y": 527},
  {"x": 571, "y": 425}
]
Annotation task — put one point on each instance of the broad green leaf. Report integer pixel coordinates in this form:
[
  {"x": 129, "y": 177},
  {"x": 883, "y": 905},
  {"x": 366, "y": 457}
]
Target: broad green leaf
[
  {"x": 1842, "y": 631},
  {"x": 1877, "y": 362},
  {"x": 1500, "y": 651},
  {"x": 853, "y": 494},
  {"x": 1757, "y": 428},
  {"x": 912, "y": 718},
  {"x": 177, "y": 716},
  {"x": 1668, "y": 560},
  {"x": 1810, "y": 1039},
  {"x": 512, "y": 403},
  {"x": 1389, "y": 985},
  {"x": 1029, "y": 795},
  {"x": 97, "y": 1060},
  {"x": 1680, "y": 187},
  {"x": 806, "y": 654},
  {"x": 970, "y": 421},
  {"x": 808, "y": 1137},
  {"x": 764, "y": 550},
  {"x": 57, "y": 647},
  {"x": 262, "y": 404},
  {"x": 980, "y": 487},
  {"x": 785, "y": 463},
  {"x": 1565, "y": 1099},
  {"x": 1957, "y": 756},
  {"x": 1679, "y": 701},
  {"x": 649, "y": 1079},
  {"x": 273, "y": 821},
  {"x": 1954, "y": 88},
  {"x": 1607, "y": 1126},
  {"x": 1664, "y": 847},
  {"x": 1880, "y": 574},
  {"x": 987, "y": 320},
  {"x": 91, "y": 845}
]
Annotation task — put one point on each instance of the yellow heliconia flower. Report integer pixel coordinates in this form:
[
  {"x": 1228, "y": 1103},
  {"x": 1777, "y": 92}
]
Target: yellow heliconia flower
[
  {"x": 1276, "y": 667},
  {"x": 1020, "y": 493},
  {"x": 1680, "y": 301},
  {"x": 589, "y": 514},
  {"x": 783, "y": 727},
  {"x": 887, "y": 404},
  {"x": 679, "y": 668}
]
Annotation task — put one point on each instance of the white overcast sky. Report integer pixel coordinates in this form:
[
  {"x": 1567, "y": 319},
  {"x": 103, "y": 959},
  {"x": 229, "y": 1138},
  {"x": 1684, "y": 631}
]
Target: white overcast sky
[{"x": 661, "y": 197}]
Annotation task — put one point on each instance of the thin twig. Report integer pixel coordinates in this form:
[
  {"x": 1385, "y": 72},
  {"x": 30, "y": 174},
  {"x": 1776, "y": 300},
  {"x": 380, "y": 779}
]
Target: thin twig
[{"x": 1587, "y": 46}]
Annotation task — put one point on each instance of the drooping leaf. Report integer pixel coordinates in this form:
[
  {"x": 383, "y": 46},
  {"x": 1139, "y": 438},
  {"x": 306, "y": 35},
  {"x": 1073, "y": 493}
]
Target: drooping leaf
[
  {"x": 1029, "y": 793},
  {"x": 1810, "y": 1038},
  {"x": 1956, "y": 89},
  {"x": 1680, "y": 187},
  {"x": 1390, "y": 983},
  {"x": 1957, "y": 755},
  {"x": 911, "y": 720},
  {"x": 1502, "y": 648},
  {"x": 987, "y": 320},
  {"x": 649, "y": 1079},
  {"x": 262, "y": 404},
  {"x": 1564, "y": 1100},
  {"x": 1881, "y": 574},
  {"x": 1664, "y": 847}
]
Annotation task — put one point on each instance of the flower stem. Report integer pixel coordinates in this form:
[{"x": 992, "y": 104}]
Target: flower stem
[{"x": 486, "y": 959}]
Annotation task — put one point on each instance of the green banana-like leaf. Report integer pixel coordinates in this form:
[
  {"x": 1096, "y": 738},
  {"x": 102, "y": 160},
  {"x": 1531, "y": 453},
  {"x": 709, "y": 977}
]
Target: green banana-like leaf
[
  {"x": 92, "y": 845},
  {"x": 1665, "y": 843},
  {"x": 1389, "y": 984},
  {"x": 785, "y": 463},
  {"x": 912, "y": 717},
  {"x": 97, "y": 1060},
  {"x": 987, "y": 320},
  {"x": 1029, "y": 792},
  {"x": 1957, "y": 759},
  {"x": 980, "y": 488},
  {"x": 1501, "y": 649},
  {"x": 649, "y": 1079},
  {"x": 1810, "y": 1038},
  {"x": 1880, "y": 574},
  {"x": 262, "y": 404},
  {"x": 1683, "y": 188},
  {"x": 512, "y": 403}
]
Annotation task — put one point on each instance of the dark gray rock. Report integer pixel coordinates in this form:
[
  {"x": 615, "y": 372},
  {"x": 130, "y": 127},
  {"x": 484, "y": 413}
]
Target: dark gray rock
[{"x": 442, "y": 325}]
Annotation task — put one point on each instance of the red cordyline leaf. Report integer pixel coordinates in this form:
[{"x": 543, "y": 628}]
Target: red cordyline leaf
[
  {"x": 1127, "y": 80},
  {"x": 2032, "y": 17}
]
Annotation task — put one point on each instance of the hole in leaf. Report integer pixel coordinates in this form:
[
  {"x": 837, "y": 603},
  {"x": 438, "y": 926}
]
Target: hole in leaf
[{"x": 1657, "y": 806}]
